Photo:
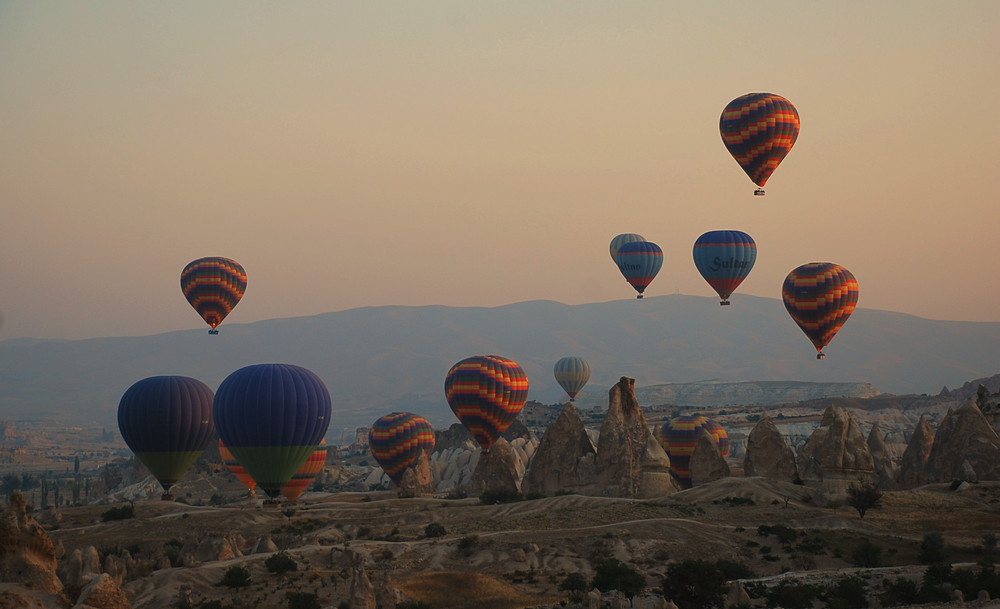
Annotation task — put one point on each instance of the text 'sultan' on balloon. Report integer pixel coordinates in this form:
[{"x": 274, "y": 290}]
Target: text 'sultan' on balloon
[
  {"x": 820, "y": 297},
  {"x": 725, "y": 258},
  {"x": 639, "y": 262},
  {"x": 213, "y": 286},
  {"x": 572, "y": 374},
  {"x": 679, "y": 436},
  {"x": 271, "y": 418},
  {"x": 396, "y": 440},
  {"x": 759, "y": 129},
  {"x": 486, "y": 393},
  {"x": 167, "y": 422}
]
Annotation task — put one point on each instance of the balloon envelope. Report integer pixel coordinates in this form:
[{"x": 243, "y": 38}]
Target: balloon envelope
[
  {"x": 679, "y": 436},
  {"x": 271, "y": 418},
  {"x": 820, "y": 296},
  {"x": 486, "y": 393},
  {"x": 396, "y": 440},
  {"x": 620, "y": 240},
  {"x": 725, "y": 258},
  {"x": 639, "y": 262},
  {"x": 234, "y": 466},
  {"x": 167, "y": 422},
  {"x": 759, "y": 129},
  {"x": 213, "y": 286},
  {"x": 572, "y": 373},
  {"x": 304, "y": 476}
]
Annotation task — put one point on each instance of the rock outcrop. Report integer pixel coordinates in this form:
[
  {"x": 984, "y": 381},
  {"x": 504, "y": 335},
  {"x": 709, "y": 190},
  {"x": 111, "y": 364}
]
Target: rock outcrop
[
  {"x": 630, "y": 461},
  {"x": 497, "y": 469},
  {"x": 707, "y": 463},
  {"x": 836, "y": 454},
  {"x": 103, "y": 592},
  {"x": 914, "y": 461},
  {"x": 885, "y": 467},
  {"x": 564, "y": 459},
  {"x": 27, "y": 556},
  {"x": 767, "y": 453},
  {"x": 966, "y": 447},
  {"x": 416, "y": 480}
]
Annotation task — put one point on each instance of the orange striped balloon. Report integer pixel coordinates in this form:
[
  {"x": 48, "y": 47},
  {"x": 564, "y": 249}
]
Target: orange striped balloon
[
  {"x": 307, "y": 473},
  {"x": 234, "y": 466}
]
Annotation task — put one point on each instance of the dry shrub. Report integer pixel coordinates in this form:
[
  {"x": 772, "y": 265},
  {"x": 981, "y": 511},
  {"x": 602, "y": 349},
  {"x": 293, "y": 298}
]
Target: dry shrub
[{"x": 454, "y": 590}]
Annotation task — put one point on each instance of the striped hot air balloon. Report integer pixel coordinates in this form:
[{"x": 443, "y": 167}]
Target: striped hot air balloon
[
  {"x": 759, "y": 129},
  {"x": 820, "y": 296},
  {"x": 639, "y": 262},
  {"x": 167, "y": 422},
  {"x": 572, "y": 373},
  {"x": 620, "y": 240},
  {"x": 486, "y": 393},
  {"x": 725, "y": 258},
  {"x": 213, "y": 286},
  {"x": 396, "y": 440},
  {"x": 271, "y": 418},
  {"x": 302, "y": 478},
  {"x": 238, "y": 470},
  {"x": 679, "y": 436}
]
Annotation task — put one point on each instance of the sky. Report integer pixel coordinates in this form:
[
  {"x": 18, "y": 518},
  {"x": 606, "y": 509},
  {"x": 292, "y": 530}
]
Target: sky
[{"x": 469, "y": 153}]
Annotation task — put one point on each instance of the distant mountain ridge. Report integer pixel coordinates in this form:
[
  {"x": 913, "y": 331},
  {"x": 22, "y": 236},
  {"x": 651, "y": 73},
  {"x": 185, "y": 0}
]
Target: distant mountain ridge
[{"x": 381, "y": 359}]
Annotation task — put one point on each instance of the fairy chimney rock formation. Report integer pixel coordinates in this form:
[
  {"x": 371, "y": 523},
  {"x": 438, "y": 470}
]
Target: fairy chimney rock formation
[
  {"x": 497, "y": 469},
  {"x": 966, "y": 447},
  {"x": 27, "y": 556},
  {"x": 707, "y": 463},
  {"x": 885, "y": 467},
  {"x": 630, "y": 461},
  {"x": 416, "y": 480},
  {"x": 564, "y": 459},
  {"x": 914, "y": 461},
  {"x": 767, "y": 453},
  {"x": 836, "y": 452}
]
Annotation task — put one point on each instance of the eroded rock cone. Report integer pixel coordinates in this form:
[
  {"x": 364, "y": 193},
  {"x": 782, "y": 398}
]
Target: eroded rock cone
[
  {"x": 966, "y": 447},
  {"x": 564, "y": 459},
  {"x": 914, "y": 461},
  {"x": 497, "y": 470},
  {"x": 103, "y": 592},
  {"x": 27, "y": 556},
  {"x": 836, "y": 449},
  {"x": 416, "y": 480},
  {"x": 630, "y": 461},
  {"x": 707, "y": 463},
  {"x": 767, "y": 453},
  {"x": 885, "y": 468}
]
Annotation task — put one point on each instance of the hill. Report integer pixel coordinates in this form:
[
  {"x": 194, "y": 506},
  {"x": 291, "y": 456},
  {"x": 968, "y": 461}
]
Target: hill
[{"x": 379, "y": 359}]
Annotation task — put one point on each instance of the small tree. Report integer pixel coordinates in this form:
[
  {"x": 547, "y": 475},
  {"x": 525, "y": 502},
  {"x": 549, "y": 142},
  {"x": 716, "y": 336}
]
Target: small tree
[
  {"x": 863, "y": 496},
  {"x": 280, "y": 563},
  {"x": 931, "y": 548},
  {"x": 236, "y": 577},
  {"x": 694, "y": 584},
  {"x": 613, "y": 574}
]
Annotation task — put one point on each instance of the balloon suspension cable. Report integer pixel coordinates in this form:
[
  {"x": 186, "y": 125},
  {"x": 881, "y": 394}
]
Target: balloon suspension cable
[
  {"x": 759, "y": 192},
  {"x": 723, "y": 303},
  {"x": 821, "y": 355}
]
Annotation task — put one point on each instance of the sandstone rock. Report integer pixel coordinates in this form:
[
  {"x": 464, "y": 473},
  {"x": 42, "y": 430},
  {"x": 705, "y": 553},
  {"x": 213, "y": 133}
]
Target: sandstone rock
[
  {"x": 103, "y": 592},
  {"x": 885, "y": 468},
  {"x": 707, "y": 463},
  {"x": 630, "y": 461},
  {"x": 767, "y": 453},
  {"x": 836, "y": 453},
  {"x": 217, "y": 548},
  {"x": 27, "y": 556},
  {"x": 737, "y": 596},
  {"x": 914, "y": 461},
  {"x": 264, "y": 545},
  {"x": 966, "y": 447},
  {"x": 416, "y": 480},
  {"x": 497, "y": 469},
  {"x": 564, "y": 459},
  {"x": 361, "y": 591}
]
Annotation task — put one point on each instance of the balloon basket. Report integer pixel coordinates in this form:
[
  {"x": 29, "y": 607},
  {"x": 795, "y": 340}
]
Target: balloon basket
[
  {"x": 639, "y": 296},
  {"x": 759, "y": 192},
  {"x": 821, "y": 355},
  {"x": 213, "y": 331},
  {"x": 272, "y": 503},
  {"x": 724, "y": 303}
]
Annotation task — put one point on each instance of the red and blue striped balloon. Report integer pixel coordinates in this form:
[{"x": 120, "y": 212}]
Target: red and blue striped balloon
[
  {"x": 820, "y": 296},
  {"x": 759, "y": 129},
  {"x": 272, "y": 417},
  {"x": 639, "y": 262},
  {"x": 396, "y": 440},
  {"x": 679, "y": 436},
  {"x": 725, "y": 258},
  {"x": 486, "y": 393}
]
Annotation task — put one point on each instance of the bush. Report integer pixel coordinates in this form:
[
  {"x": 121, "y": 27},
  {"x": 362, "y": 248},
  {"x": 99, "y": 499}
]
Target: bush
[
  {"x": 694, "y": 584},
  {"x": 613, "y": 574},
  {"x": 172, "y": 550},
  {"x": 236, "y": 577},
  {"x": 280, "y": 563},
  {"x": 863, "y": 496},
  {"x": 498, "y": 497},
  {"x": 848, "y": 593},
  {"x": 574, "y": 581},
  {"x": 303, "y": 600},
  {"x": 931, "y": 548},
  {"x": 793, "y": 595},
  {"x": 119, "y": 513},
  {"x": 867, "y": 554},
  {"x": 784, "y": 533},
  {"x": 900, "y": 592},
  {"x": 435, "y": 529}
]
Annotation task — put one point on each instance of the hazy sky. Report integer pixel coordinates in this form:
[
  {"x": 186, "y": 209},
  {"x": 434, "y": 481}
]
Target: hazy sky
[{"x": 482, "y": 153}]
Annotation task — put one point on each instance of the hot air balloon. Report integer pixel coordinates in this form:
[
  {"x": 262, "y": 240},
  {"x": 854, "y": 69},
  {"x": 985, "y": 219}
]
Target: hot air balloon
[
  {"x": 572, "y": 373},
  {"x": 486, "y": 393},
  {"x": 759, "y": 129},
  {"x": 620, "y": 240},
  {"x": 271, "y": 418},
  {"x": 724, "y": 258},
  {"x": 679, "y": 436},
  {"x": 238, "y": 470},
  {"x": 639, "y": 262},
  {"x": 396, "y": 440},
  {"x": 302, "y": 478},
  {"x": 820, "y": 296},
  {"x": 167, "y": 422},
  {"x": 213, "y": 286}
]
